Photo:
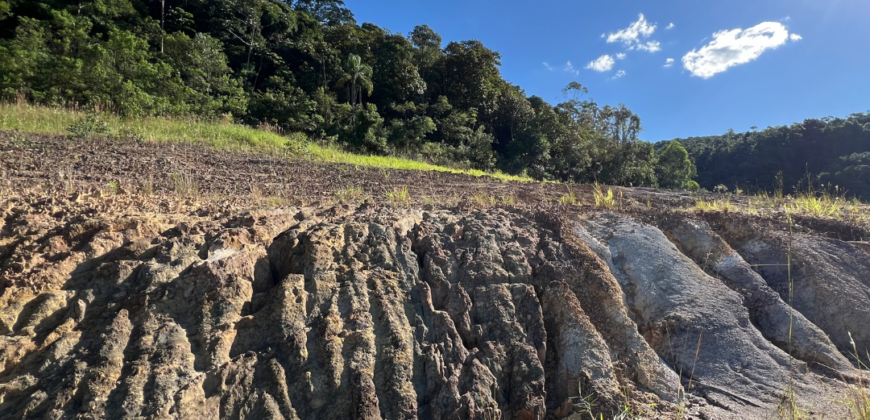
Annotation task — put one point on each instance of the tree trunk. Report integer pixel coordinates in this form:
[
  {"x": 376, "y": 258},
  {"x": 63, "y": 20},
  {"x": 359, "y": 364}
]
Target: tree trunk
[
  {"x": 353, "y": 103},
  {"x": 162, "y": 23}
]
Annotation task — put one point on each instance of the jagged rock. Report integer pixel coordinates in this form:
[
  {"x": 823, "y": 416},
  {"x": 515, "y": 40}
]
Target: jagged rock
[{"x": 373, "y": 312}]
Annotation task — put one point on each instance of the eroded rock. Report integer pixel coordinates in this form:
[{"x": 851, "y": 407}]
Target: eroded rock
[{"x": 380, "y": 313}]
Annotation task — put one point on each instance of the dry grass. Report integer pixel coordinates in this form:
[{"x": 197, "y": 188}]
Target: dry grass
[
  {"x": 349, "y": 195},
  {"x": 185, "y": 185}
]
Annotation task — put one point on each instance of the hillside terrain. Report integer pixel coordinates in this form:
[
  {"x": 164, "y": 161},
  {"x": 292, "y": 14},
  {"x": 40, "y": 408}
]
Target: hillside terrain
[{"x": 142, "y": 279}]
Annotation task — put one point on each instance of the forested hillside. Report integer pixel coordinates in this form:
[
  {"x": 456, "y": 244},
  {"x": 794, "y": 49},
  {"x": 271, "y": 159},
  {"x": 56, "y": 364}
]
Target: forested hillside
[
  {"x": 306, "y": 66},
  {"x": 829, "y": 152}
]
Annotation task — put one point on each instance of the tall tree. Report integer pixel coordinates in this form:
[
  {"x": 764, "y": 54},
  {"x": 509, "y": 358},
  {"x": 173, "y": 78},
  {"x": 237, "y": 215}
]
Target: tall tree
[
  {"x": 675, "y": 168},
  {"x": 357, "y": 76}
]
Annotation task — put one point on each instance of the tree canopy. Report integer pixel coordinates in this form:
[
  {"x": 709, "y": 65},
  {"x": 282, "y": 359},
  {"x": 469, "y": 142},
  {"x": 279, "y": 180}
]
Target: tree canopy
[
  {"x": 307, "y": 66},
  {"x": 828, "y": 152}
]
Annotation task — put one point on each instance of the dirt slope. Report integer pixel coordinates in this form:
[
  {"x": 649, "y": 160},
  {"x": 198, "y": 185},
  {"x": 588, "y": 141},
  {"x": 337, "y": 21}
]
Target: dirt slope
[{"x": 125, "y": 306}]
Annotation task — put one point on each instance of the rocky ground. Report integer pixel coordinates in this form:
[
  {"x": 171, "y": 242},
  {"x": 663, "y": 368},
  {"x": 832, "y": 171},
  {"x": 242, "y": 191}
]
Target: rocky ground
[{"x": 268, "y": 292}]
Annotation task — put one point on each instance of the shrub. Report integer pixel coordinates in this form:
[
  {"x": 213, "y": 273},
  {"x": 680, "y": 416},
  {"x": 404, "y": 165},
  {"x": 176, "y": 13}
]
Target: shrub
[{"x": 87, "y": 126}]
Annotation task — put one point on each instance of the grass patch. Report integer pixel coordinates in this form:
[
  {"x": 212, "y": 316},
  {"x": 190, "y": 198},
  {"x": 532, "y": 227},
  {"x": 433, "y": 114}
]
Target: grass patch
[
  {"x": 857, "y": 398},
  {"x": 399, "y": 196},
  {"x": 569, "y": 199},
  {"x": 185, "y": 186},
  {"x": 220, "y": 135},
  {"x": 604, "y": 199},
  {"x": 715, "y": 205},
  {"x": 482, "y": 199},
  {"x": 349, "y": 194}
]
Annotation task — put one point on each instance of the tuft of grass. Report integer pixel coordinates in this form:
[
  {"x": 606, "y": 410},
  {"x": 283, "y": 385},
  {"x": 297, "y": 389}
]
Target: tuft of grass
[
  {"x": 857, "y": 397},
  {"x": 509, "y": 200},
  {"x": 603, "y": 199},
  {"x": 822, "y": 205},
  {"x": 185, "y": 185},
  {"x": 482, "y": 199},
  {"x": 222, "y": 135},
  {"x": 569, "y": 199},
  {"x": 715, "y": 205},
  {"x": 349, "y": 194},
  {"x": 399, "y": 196},
  {"x": 148, "y": 186},
  {"x": 114, "y": 187}
]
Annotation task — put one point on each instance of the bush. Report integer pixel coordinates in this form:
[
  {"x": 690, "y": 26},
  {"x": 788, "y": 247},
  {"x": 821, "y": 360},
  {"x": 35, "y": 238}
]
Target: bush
[{"x": 87, "y": 126}]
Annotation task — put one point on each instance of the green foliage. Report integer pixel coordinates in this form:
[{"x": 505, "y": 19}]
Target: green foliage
[
  {"x": 307, "y": 67},
  {"x": 836, "y": 148},
  {"x": 89, "y": 125},
  {"x": 675, "y": 169}
]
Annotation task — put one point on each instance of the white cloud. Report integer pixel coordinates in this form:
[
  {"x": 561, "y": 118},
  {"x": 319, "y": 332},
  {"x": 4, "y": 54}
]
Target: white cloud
[
  {"x": 734, "y": 47},
  {"x": 669, "y": 62},
  {"x": 671, "y": 26},
  {"x": 633, "y": 37},
  {"x": 570, "y": 69},
  {"x": 620, "y": 56},
  {"x": 601, "y": 64},
  {"x": 651, "y": 46},
  {"x": 619, "y": 74},
  {"x": 548, "y": 66},
  {"x": 795, "y": 37}
]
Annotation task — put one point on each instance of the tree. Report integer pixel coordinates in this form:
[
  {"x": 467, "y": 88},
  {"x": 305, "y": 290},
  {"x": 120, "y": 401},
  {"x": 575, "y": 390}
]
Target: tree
[
  {"x": 357, "y": 76},
  {"x": 675, "y": 168}
]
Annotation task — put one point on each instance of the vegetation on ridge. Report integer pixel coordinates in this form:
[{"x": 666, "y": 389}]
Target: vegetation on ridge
[{"x": 307, "y": 67}]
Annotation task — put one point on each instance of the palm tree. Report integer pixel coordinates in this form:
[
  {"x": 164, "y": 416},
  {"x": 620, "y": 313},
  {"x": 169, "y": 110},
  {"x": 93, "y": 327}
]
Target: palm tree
[{"x": 357, "y": 77}]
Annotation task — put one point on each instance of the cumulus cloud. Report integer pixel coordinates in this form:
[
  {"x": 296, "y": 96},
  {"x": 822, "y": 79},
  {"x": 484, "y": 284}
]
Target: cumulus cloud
[
  {"x": 670, "y": 26},
  {"x": 651, "y": 46},
  {"x": 734, "y": 47},
  {"x": 619, "y": 74},
  {"x": 570, "y": 69},
  {"x": 548, "y": 66},
  {"x": 795, "y": 37},
  {"x": 620, "y": 56},
  {"x": 669, "y": 62},
  {"x": 601, "y": 64},
  {"x": 634, "y": 37}
]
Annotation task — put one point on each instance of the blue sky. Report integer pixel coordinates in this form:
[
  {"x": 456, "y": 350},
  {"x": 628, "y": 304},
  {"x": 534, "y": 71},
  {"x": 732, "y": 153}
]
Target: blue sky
[{"x": 783, "y": 60}]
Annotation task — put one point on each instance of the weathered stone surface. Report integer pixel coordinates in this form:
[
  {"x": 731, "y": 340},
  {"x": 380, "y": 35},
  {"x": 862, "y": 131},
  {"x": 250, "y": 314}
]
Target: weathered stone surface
[
  {"x": 787, "y": 329},
  {"x": 375, "y": 313}
]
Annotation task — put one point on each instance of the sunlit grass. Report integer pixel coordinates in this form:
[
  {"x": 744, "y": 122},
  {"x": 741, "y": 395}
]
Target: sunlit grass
[
  {"x": 602, "y": 198},
  {"x": 220, "y": 135},
  {"x": 715, "y": 205},
  {"x": 399, "y": 196},
  {"x": 569, "y": 199},
  {"x": 821, "y": 205}
]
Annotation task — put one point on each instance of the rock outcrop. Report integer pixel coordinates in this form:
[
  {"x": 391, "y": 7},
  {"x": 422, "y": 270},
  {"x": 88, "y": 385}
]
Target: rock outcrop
[{"x": 373, "y": 312}]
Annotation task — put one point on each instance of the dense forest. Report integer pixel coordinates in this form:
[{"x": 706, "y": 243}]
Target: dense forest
[
  {"x": 828, "y": 153},
  {"x": 306, "y": 66}
]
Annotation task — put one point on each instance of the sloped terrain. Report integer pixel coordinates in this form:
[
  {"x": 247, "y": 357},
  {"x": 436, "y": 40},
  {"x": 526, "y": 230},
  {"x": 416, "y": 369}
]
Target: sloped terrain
[{"x": 114, "y": 305}]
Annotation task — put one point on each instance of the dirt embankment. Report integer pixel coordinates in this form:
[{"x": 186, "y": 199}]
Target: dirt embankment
[{"x": 118, "y": 305}]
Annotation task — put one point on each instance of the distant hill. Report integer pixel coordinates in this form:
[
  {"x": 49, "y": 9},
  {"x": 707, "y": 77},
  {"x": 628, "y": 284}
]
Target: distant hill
[{"x": 831, "y": 152}]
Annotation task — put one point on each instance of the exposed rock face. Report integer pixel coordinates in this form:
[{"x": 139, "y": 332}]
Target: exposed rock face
[
  {"x": 376, "y": 313},
  {"x": 830, "y": 278}
]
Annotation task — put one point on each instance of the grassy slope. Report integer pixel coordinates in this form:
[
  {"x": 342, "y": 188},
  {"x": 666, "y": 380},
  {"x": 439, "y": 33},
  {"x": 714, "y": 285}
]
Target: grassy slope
[{"x": 224, "y": 136}]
